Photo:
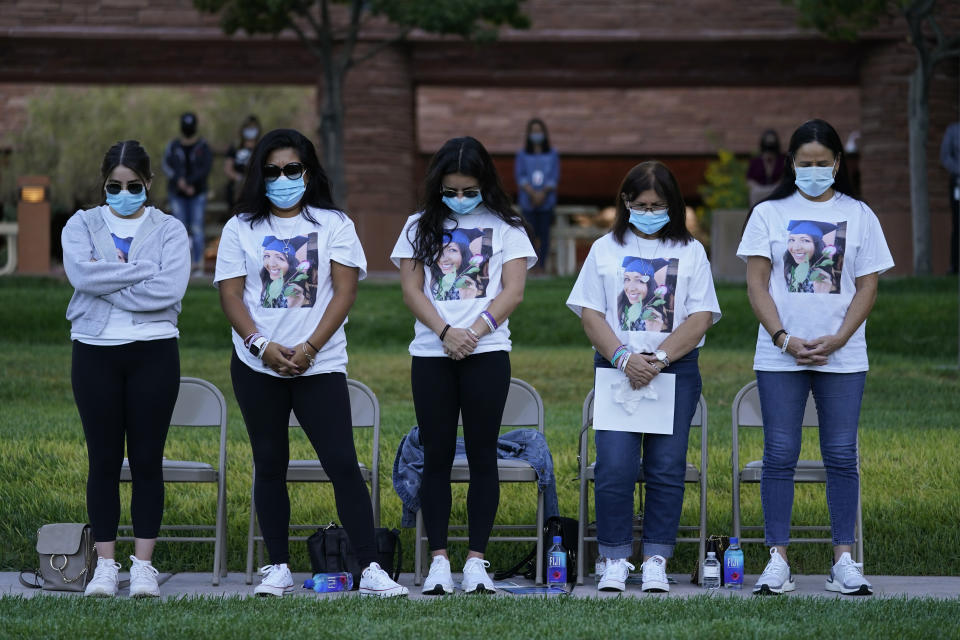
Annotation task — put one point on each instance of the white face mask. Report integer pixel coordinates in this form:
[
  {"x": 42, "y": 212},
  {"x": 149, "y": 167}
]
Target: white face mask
[{"x": 814, "y": 181}]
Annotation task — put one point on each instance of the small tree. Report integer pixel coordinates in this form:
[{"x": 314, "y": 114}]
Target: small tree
[
  {"x": 844, "y": 19},
  {"x": 333, "y": 41}
]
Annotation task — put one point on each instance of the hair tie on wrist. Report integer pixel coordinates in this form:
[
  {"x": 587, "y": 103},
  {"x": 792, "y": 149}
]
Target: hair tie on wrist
[
  {"x": 311, "y": 346},
  {"x": 443, "y": 334}
]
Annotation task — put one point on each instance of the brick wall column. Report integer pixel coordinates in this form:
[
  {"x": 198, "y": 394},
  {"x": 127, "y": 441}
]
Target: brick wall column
[{"x": 380, "y": 151}]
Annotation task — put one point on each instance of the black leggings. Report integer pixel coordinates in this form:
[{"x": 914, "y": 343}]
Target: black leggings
[
  {"x": 443, "y": 388},
  {"x": 125, "y": 391},
  {"x": 322, "y": 405}
]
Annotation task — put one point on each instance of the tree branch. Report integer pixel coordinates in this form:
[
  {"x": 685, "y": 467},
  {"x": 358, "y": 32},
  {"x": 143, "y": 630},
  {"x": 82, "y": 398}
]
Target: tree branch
[
  {"x": 350, "y": 40},
  {"x": 322, "y": 29},
  {"x": 310, "y": 44},
  {"x": 380, "y": 47}
]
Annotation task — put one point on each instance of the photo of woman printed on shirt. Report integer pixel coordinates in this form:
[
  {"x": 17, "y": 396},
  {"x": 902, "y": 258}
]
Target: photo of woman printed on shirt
[
  {"x": 649, "y": 287},
  {"x": 813, "y": 260},
  {"x": 123, "y": 246},
  {"x": 289, "y": 272},
  {"x": 461, "y": 272}
]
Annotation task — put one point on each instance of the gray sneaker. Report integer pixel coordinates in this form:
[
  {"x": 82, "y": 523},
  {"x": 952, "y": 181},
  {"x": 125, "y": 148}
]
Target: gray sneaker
[
  {"x": 846, "y": 577},
  {"x": 776, "y": 577}
]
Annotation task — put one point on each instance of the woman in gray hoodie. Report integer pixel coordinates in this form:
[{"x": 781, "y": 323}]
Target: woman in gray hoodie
[{"x": 129, "y": 265}]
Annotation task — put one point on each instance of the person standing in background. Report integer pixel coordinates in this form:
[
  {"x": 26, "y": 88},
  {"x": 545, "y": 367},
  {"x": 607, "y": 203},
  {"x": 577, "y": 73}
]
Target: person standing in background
[
  {"x": 950, "y": 159},
  {"x": 537, "y": 172},
  {"x": 187, "y": 161},
  {"x": 766, "y": 169},
  {"x": 235, "y": 164}
]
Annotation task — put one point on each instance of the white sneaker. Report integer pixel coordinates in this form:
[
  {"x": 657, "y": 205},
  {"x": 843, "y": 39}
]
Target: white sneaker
[
  {"x": 143, "y": 579},
  {"x": 106, "y": 580},
  {"x": 776, "y": 577},
  {"x": 374, "y": 581},
  {"x": 655, "y": 575},
  {"x": 846, "y": 577},
  {"x": 439, "y": 582},
  {"x": 475, "y": 578},
  {"x": 276, "y": 580},
  {"x": 615, "y": 572}
]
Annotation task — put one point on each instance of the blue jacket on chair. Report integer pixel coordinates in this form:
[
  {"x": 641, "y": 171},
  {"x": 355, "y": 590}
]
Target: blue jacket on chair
[{"x": 528, "y": 445}]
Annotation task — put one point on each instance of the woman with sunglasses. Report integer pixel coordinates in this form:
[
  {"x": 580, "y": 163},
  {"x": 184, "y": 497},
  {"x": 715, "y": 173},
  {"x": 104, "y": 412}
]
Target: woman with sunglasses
[
  {"x": 129, "y": 264},
  {"x": 294, "y": 356},
  {"x": 649, "y": 237},
  {"x": 814, "y": 255},
  {"x": 460, "y": 347}
]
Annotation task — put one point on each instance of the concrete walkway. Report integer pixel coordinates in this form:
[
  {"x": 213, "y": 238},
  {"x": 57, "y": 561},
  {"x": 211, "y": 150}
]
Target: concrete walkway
[{"x": 198, "y": 584}]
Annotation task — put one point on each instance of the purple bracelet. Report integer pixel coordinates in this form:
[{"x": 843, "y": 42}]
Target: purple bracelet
[{"x": 489, "y": 316}]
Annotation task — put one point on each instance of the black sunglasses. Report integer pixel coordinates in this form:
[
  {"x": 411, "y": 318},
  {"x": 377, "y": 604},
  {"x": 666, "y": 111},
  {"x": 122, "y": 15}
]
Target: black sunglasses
[
  {"x": 292, "y": 170},
  {"x": 113, "y": 188},
  {"x": 467, "y": 193}
]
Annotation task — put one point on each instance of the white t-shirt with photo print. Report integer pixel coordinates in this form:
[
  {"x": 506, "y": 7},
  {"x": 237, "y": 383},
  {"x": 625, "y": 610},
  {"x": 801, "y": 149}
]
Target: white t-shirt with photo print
[
  {"x": 817, "y": 251},
  {"x": 286, "y": 263},
  {"x": 467, "y": 276},
  {"x": 645, "y": 288}
]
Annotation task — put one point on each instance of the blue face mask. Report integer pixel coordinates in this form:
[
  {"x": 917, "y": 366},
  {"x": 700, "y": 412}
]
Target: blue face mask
[
  {"x": 537, "y": 138},
  {"x": 814, "y": 181},
  {"x": 285, "y": 193},
  {"x": 463, "y": 206},
  {"x": 126, "y": 203},
  {"x": 649, "y": 223}
]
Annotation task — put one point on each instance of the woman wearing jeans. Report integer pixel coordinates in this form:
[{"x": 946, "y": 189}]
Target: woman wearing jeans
[
  {"x": 461, "y": 343},
  {"x": 648, "y": 268},
  {"x": 287, "y": 230},
  {"x": 812, "y": 339},
  {"x": 129, "y": 264}
]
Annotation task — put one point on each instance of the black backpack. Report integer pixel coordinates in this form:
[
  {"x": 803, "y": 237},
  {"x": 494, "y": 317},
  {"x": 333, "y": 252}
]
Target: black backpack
[{"x": 566, "y": 528}]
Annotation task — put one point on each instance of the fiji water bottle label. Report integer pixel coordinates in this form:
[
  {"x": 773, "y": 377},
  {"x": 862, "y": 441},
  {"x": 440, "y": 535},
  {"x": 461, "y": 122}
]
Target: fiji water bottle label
[
  {"x": 557, "y": 570},
  {"x": 733, "y": 569}
]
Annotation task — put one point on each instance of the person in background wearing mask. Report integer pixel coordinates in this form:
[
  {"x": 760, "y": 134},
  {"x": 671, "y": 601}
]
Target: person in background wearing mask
[
  {"x": 187, "y": 161},
  {"x": 461, "y": 343},
  {"x": 812, "y": 340},
  {"x": 294, "y": 356},
  {"x": 537, "y": 172},
  {"x": 129, "y": 264},
  {"x": 238, "y": 156},
  {"x": 950, "y": 159},
  {"x": 649, "y": 234},
  {"x": 766, "y": 169}
]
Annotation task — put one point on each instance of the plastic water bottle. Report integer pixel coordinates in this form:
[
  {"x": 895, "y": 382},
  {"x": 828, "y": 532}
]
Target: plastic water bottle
[
  {"x": 557, "y": 564},
  {"x": 329, "y": 582},
  {"x": 733, "y": 565},
  {"x": 711, "y": 571}
]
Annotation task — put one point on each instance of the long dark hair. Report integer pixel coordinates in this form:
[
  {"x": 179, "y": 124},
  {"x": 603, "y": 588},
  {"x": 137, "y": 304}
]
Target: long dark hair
[
  {"x": 811, "y": 131},
  {"x": 131, "y": 155},
  {"x": 529, "y": 146},
  {"x": 253, "y": 205},
  {"x": 468, "y": 157},
  {"x": 652, "y": 175}
]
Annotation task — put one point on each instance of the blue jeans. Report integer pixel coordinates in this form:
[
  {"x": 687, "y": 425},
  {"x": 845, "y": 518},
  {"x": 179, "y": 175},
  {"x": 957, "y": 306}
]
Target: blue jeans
[
  {"x": 783, "y": 396},
  {"x": 189, "y": 211},
  {"x": 664, "y": 459},
  {"x": 541, "y": 221}
]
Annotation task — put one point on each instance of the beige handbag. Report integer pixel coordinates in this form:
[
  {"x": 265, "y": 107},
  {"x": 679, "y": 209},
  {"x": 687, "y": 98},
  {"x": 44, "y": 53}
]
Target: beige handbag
[{"x": 67, "y": 557}]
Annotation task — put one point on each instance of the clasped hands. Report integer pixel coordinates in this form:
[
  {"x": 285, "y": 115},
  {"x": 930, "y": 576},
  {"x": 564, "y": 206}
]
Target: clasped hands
[
  {"x": 287, "y": 361},
  {"x": 813, "y": 352},
  {"x": 459, "y": 343}
]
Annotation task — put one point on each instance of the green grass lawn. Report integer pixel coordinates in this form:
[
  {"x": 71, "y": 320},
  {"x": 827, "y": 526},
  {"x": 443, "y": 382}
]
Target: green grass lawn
[{"x": 909, "y": 427}]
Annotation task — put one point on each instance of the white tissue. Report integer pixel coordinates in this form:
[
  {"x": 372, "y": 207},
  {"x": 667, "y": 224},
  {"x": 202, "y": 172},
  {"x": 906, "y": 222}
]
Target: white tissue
[{"x": 629, "y": 398}]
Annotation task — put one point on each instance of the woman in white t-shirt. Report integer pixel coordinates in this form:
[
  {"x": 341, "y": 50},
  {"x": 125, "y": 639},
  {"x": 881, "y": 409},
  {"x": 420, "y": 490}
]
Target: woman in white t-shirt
[
  {"x": 645, "y": 296},
  {"x": 814, "y": 254},
  {"x": 287, "y": 267},
  {"x": 463, "y": 261},
  {"x": 129, "y": 264}
]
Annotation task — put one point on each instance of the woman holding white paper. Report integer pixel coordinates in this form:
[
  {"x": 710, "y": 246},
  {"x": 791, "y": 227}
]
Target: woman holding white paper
[{"x": 649, "y": 237}]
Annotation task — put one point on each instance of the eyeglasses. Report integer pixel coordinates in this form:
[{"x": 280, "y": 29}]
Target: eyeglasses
[
  {"x": 113, "y": 188},
  {"x": 291, "y": 170},
  {"x": 656, "y": 206},
  {"x": 471, "y": 192}
]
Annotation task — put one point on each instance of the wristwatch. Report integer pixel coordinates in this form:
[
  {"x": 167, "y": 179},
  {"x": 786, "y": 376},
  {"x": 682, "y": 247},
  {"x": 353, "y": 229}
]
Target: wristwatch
[
  {"x": 257, "y": 346},
  {"x": 661, "y": 355}
]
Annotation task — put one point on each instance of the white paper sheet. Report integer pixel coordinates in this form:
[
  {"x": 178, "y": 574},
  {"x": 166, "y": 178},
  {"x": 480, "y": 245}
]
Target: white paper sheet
[{"x": 647, "y": 410}]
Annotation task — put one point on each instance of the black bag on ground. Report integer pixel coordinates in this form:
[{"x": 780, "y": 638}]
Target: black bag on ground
[
  {"x": 330, "y": 552},
  {"x": 566, "y": 528}
]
